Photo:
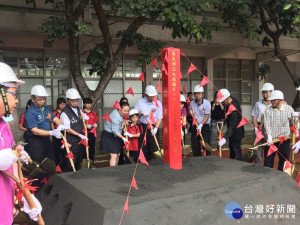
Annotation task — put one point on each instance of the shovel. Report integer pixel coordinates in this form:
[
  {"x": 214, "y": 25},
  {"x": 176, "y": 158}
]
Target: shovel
[
  {"x": 158, "y": 154},
  {"x": 86, "y": 163},
  {"x": 204, "y": 143},
  {"x": 295, "y": 168},
  {"x": 186, "y": 149},
  {"x": 265, "y": 144},
  {"x": 126, "y": 151},
  {"x": 68, "y": 150},
  {"x": 220, "y": 127}
]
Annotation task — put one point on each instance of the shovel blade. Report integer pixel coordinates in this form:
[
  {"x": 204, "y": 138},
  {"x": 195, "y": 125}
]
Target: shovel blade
[
  {"x": 249, "y": 156},
  {"x": 159, "y": 154},
  {"x": 87, "y": 163},
  {"x": 187, "y": 149},
  {"x": 292, "y": 171}
]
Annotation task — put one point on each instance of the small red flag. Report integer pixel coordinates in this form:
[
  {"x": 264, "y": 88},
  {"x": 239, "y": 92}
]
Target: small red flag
[
  {"x": 188, "y": 101},
  {"x": 184, "y": 89},
  {"x": 142, "y": 158},
  {"x": 192, "y": 68},
  {"x": 163, "y": 68},
  {"x": 133, "y": 183},
  {"x": 272, "y": 149},
  {"x": 194, "y": 121},
  {"x": 259, "y": 136},
  {"x": 204, "y": 152},
  {"x": 83, "y": 142},
  {"x": 243, "y": 122},
  {"x": 141, "y": 77},
  {"x": 231, "y": 108},
  {"x": 145, "y": 139},
  {"x": 58, "y": 169},
  {"x": 282, "y": 139},
  {"x": 45, "y": 180},
  {"x": 70, "y": 155},
  {"x": 204, "y": 81},
  {"x": 126, "y": 144},
  {"x": 287, "y": 165},
  {"x": 181, "y": 53},
  {"x": 219, "y": 96},
  {"x": 94, "y": 131},
  {"x": 117, "y": 105},
  {"x": 158, "y": 86},
  {"x": 126, "y": 206},
  {"x": 130, "y": 91},
  {"x": 297, "y": 179},
  {"x": 154, "y": 63},
  {"x": 106, "y": 117},
  {"x": 155, "y": 101},
  {"x": 152, "y": 119}
]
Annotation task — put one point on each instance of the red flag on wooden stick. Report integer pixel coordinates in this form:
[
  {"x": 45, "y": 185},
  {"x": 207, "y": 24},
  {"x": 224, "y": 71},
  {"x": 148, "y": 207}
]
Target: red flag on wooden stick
[
  {"x": 204, "y": 81},
  {"x": 243, "y": 122},
  {"x": 272, "y": 149},
  {"x": 184, "y": 89},
  {"x": 117, "y": 105},
  {"x": 130, "y": 91},
  {"x": 142, "y": 158},
  {"x": 141, "y": 77},
  {"x": 126, "y": 206},
  {"x": 287, "y": 165},
  {"x": 155, "y": 101},
  {"x": 70, "y": 155},
  {"x": 231, "y": 108},
  {"x": 154, "y": 63},
  {"x": 219, "y": 96},
  {"x": 259, "y": 136},
  {"x": 106, "y": 117},
  {"x": 133, "y": 183},
  {"x": 191, "y": 68}
]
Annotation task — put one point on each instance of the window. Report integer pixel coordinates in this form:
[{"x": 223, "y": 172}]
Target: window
[{"x": 237, "y": 75}]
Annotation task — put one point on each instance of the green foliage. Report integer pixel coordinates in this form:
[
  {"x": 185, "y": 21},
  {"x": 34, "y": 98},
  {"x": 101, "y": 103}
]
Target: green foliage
[
  {"x": 263, "y": 71},
  {"x": 56, "y": 27},
  {"x": 98, "y": 59}
]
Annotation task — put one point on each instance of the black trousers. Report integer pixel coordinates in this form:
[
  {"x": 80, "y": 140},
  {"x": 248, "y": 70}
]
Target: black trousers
[
  {"x": 151, "y": 146},
  {"x": 78, "y": 152},
  {"x": 57, "y": 150},
  {"x": 196, "y": 146},
  {"x": 235, "y": 149},
  {"x": 284, "y": 149},
  {"x": 39, "y": 148}
]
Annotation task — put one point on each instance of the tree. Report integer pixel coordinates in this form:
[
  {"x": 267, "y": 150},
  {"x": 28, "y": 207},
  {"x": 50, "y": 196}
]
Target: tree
[
  {"x": 275, "y": 20},
  {"x": 182, "y": 17}
]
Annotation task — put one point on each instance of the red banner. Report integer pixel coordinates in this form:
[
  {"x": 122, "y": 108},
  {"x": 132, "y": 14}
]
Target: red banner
[{"x": 171, "y": 107}]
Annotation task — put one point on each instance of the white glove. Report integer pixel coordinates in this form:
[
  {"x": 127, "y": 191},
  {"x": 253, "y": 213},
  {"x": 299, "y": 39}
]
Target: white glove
[
  {"x": 269, "y": 140},
  {"x": 256, "y": 130},
  {"x": 24, "y": 157},
  {"x": 85, "y": 117},
  {"x": 89, "y": 126},
  {"x": 145, "y": 113},
  {"x": 296, "y": 147},
  {"x": 7, "y": 158},
  {"x": 95, "y": 125},
  {"x": 222, "y": 142},
  {"x": 186, "y": 131},
  {"x": 295, "y": 114},
  {"x": 125, "y": 140},
  {"x": 200, "y": 127},
  {"x": 61, "y": 127},
  {"x": 154, "y": 131},
  {"x": 56, "y": 133},
  {"x": 128, "y": 134},
  {"x": 82, "y": 136},
  {"x": 33, "y": 213},
  {"x": 182, "y": 133}
]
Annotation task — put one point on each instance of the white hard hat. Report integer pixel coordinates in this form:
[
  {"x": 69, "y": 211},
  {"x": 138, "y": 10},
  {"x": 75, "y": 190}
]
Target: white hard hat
[
  {"x": 39, "y": 90},
  {"x": 150, "y": 91},
  {"x": 267, "y": 87},
  {"x": 225, "y": 94},
  {"x": 8, "y": 77},
  {"x": 72, "y": 93},
  {"x": 133, "y": 112},
  {"x": 276, "y": 95},
  {"x": 298, "y": 88},
  {"x": 182, "y": 98},
  {"x": 197, "y": 88}
]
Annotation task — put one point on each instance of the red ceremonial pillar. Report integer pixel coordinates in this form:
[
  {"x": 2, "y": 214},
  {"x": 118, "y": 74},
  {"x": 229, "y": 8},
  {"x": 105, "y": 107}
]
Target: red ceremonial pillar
[{"x": 171, "y": 107}]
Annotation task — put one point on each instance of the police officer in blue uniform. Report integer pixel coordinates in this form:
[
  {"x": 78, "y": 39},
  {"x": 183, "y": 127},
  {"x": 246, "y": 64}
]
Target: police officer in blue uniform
[{"x": 38, "y": 119}]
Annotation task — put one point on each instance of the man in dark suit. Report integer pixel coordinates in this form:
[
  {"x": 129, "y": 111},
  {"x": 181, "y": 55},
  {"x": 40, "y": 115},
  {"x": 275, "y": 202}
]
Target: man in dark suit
[{"x": 234, "y": 134}]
